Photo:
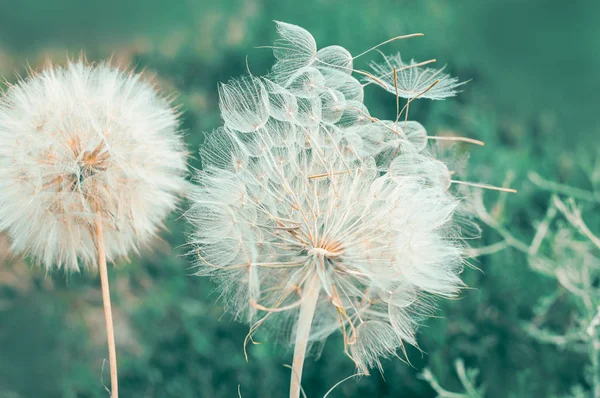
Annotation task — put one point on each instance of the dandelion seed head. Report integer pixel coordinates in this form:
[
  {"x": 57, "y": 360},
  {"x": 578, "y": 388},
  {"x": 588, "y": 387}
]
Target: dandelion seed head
[
  {"x": 323, "y": 191},
  {"x": 81, "y": 142}
]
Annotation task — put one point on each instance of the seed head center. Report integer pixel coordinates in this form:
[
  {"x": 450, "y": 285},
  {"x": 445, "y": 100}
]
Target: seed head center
[
  {"x": 94, "y": 161},
  {"x": 328, "y": 250}
]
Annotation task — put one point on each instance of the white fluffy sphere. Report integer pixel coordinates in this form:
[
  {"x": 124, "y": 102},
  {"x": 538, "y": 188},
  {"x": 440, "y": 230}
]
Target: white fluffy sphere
[{"x": 81, "y": 142}]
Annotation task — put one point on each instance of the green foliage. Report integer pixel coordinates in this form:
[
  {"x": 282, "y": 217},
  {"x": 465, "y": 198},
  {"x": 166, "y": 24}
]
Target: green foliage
[{"x": 467, "y": 378}]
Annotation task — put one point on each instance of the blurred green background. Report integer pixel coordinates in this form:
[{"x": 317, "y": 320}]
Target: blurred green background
[{"x": 533, "y": 99}]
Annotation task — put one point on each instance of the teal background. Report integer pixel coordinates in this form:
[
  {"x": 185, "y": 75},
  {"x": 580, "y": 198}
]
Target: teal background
[{"x": 533, "y": 99}]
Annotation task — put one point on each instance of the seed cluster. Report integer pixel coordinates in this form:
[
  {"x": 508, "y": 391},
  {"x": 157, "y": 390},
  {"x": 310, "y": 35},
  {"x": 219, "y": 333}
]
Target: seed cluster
[
  {"x": 80, "y": 144},
  {"x": 302, "y": 183}
]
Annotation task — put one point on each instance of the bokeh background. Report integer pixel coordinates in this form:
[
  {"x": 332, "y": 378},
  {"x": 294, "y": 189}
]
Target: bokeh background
[{"x": 533, "y": 99}]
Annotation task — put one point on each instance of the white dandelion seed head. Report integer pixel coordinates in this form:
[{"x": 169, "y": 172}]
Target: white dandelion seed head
[
  {"x": 80, "y": 142},
  {"x": 320, "y": 190}
]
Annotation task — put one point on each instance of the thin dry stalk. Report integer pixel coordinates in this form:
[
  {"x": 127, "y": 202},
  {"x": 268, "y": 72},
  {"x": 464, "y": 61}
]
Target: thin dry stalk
[
  {"x": 310, "y": 296},
  {"x": 110, "y": 333}
]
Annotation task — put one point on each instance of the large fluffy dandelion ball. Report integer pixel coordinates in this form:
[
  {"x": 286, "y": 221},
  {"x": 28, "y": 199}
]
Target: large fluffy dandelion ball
[
  {"x": 315, "y": 217},
  {"x": 83, "y": 144},
  {"x": 296, "y": 228}
]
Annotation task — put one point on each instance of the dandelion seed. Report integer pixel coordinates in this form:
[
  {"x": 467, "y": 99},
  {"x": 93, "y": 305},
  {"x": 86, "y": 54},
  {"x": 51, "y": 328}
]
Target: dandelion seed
[
  {"x": 294, "y": 50},
  {"x": 244, "y": 104},
  {"x": 334, "y": 57},
  {"x": 412, "y": 81}
]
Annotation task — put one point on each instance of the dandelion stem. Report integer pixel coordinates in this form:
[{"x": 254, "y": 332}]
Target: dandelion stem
[
  {"x": 110, "y": 333},
  {"x": 310, "y": 296}
]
